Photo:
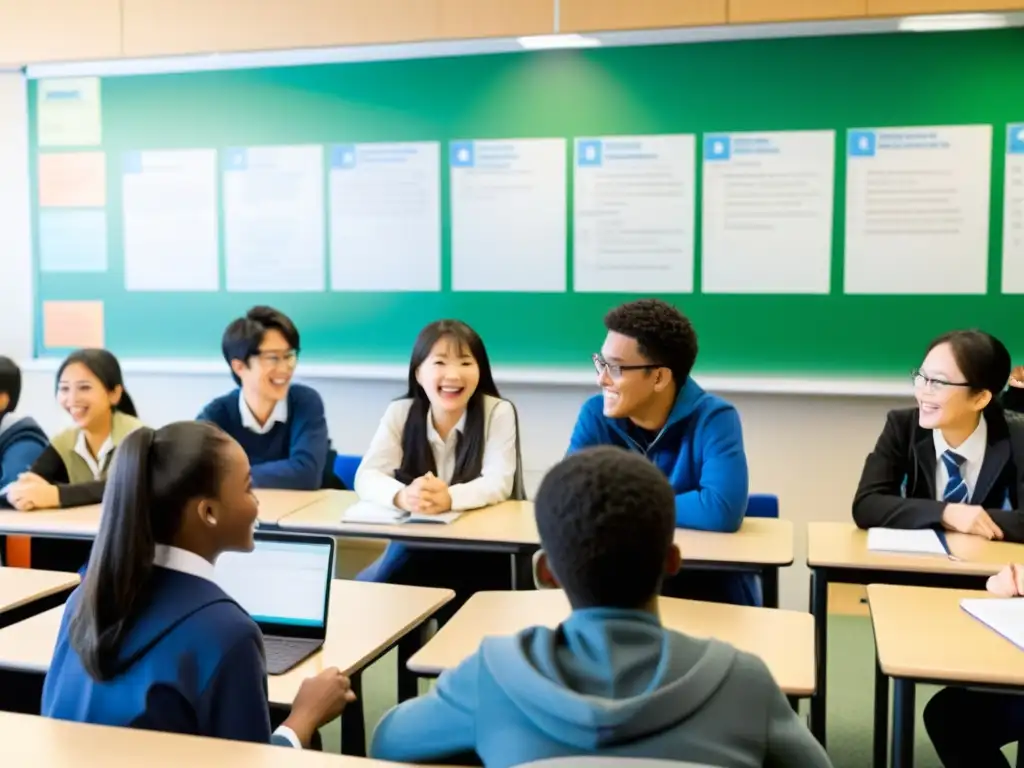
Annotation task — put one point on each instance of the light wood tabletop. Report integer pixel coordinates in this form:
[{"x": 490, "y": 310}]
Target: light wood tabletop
[
  {"x": 84, "y": 522},
  {"x": 30, "y": 740},
  {"x": 844, "y": 545},
  {"x": 364, "y": 620},
  {"x": 20, "y": 586},
  {"x": 760, "y": 541},
  {"x": 922, "y": 633},
  {"x": 783, "y": 639},
  {"x": 511, "y": 522},
  {"x": 275, "y": 504}
]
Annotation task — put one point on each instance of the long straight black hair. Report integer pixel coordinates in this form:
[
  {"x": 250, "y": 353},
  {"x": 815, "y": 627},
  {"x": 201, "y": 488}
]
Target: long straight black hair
[
  {"x": 417, "y": 458},
  {"x": 155, "y": 474},
  {"x": 104, "y": 366}
]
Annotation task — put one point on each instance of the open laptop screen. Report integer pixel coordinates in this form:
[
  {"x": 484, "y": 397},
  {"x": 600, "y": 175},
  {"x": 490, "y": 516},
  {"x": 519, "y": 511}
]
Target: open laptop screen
[{"x": 280, "y": 582}]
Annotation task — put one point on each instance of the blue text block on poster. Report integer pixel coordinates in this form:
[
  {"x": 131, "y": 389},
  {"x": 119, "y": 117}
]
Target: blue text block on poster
[
  {"x": 461, "y": 154},
  {"x": 863, "y": 143},
  {"x": 717, "y": 148},
  {"x": 73, "y": 240},
  {"x": 1015, "y": 139},
  {"x": 589, "y": 153},
  {"x": 236, "y": 159}
]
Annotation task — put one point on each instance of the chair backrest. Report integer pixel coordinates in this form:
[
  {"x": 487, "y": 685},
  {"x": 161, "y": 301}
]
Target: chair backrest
[
  {"x": 345, "y": 468},
  {"x": 763, "y": 505}
]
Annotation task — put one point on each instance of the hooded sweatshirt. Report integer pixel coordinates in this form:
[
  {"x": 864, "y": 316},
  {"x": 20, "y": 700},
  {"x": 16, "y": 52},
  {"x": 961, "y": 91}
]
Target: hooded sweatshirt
[
  {"x": 192, "y": 663},
  {"x": 22, "y": 441},
  {"x": 607, "y": 682}
]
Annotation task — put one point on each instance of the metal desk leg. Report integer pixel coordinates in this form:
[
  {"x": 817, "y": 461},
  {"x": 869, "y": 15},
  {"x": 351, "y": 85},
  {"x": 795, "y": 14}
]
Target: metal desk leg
[
  {"x": 794, "y": 702},
  {"x": 353, "y": 726},
  {"x": 903, "y": 713},
  {"x": 408, "y": 682},
  {"x": 770, "y": 587},
  {"x": 513, "y": 561},
  {"x": 819, "y": 609},
  {"x": 881, "y": 736}
]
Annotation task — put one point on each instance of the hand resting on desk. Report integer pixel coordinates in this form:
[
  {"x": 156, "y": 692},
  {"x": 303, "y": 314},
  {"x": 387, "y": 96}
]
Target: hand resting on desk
[
  {"x": 30, "y": 492},
  {"x": 972, "y": 519},
  {"x": 1009, "y": 582},
  {"x": 427, "y": 495}
]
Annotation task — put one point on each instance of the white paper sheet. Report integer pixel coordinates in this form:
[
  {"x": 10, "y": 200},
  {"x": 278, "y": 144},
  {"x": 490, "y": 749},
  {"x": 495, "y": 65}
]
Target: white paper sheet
[
  {"x": 385, "y": 217},
  {"x": 917, "y": 210},
  {"x": 767, "y": 212},
  {"x": 633, "y": 211},
  {"x": 169, "y": 199},
  {"x": 916, "y": 542},
  {"x": 274, "y": 218},
  {"x": 508, "y": 204},
  {"x": 1005, "y": 616},
  {"x": 1013, "y": 211},
  {"x": 376, "y": 514}
]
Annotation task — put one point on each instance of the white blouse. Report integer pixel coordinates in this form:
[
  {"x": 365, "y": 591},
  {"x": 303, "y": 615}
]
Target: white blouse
[{"x": 375, "y": 480}]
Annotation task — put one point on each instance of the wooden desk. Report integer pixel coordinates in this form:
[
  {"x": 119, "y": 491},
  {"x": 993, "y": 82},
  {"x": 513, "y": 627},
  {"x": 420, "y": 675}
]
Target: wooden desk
[
  {"x": 760, "y": 546},
  {"x": 365, "y": 621},
  {"x": 84, "y": 522},
  {"x": 923, "y": 635},
  {"x": 29, "y": 740},
  {"x": 24, "y": 592},
  {"x": 838, "y": 553},
  {"x": 784, "y": 639}
]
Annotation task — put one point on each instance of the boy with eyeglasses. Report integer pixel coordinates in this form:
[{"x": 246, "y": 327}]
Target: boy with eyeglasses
[
  {"x": 281, "y": 425},
  {"x": 649, "y": 405}
]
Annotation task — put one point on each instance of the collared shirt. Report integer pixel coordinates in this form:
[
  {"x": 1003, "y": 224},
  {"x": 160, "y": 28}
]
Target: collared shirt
[
  {"x": 375, "y": 480},
  {"x": 973, "y": 451},
  {"x": 183, "y": 561},
  {"x": 97, "y": 464},
  {"x": 249, "y": 421}
]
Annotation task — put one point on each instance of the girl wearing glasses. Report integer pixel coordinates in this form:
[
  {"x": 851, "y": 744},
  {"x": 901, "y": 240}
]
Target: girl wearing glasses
[
  {"x": 955, "y": 460},
  {"x": 450, "y": 444}
]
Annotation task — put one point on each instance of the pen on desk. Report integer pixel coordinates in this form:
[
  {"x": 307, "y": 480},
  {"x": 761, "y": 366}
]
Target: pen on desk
[{"x": 945, "y": 544}]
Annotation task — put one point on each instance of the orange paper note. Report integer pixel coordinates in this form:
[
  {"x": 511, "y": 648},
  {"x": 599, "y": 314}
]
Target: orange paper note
[
  {"x": 72, "y": 324},
  {"x": 73, "y": 180}
]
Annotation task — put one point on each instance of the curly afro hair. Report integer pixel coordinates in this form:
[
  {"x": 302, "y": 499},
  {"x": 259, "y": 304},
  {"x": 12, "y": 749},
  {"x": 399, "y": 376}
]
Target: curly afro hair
[{"x": 663, "y": 334}]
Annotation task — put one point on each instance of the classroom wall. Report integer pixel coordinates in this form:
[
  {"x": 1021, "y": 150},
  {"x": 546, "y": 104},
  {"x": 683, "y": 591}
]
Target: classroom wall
[{"x": 808, "y": 450}]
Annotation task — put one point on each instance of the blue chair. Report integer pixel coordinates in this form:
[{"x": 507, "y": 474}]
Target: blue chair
[
  {"x": 345, "y": 468},
  {"x": 766, "y": 505}
]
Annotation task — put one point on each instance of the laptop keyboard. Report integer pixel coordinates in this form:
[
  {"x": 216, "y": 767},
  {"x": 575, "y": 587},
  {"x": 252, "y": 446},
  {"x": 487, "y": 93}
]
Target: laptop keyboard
[{"x": 283, "y": 653}]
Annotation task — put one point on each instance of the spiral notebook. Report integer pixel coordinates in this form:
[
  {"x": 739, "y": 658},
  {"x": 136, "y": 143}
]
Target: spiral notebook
[
  {"x": 1003, "y": 616},
  {"x": 378, "y": 514}
]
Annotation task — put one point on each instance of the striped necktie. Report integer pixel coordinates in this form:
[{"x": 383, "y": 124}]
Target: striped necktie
[{"x": 956, "y": 489}]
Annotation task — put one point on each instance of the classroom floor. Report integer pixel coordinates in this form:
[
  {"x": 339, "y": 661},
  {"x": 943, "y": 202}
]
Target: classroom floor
[{"x": 851, "y": 656}]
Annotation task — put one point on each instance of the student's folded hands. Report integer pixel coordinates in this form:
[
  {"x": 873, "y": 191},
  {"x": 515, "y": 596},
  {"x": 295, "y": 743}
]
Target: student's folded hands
[
  {"x": 30, "y": 491},
  {"x": 1009, "y": 582},
  {"x": 320, "y": 700},
  {"x": 427, "y": 495},
  {"x": 972, "y": 519}
]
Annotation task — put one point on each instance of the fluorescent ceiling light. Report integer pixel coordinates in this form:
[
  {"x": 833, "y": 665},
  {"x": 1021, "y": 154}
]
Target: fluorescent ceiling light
[
  {"x": 953, "y": 22},
  {"x": 545, "y": 42}
]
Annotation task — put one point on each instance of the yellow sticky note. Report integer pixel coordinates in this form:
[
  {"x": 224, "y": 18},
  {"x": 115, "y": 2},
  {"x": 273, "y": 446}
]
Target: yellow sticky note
[
  {"x": 69, "y": 112},
  {"x": 72, "y": 324},
  {"x": 73, "y": 180}
]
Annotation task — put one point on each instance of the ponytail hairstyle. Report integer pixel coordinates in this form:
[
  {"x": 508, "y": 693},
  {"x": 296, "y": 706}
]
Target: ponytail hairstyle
[
  {"x": 154, "y": 476},
  {"x": 984, "y": 361},
  {"x": 417, "y": 457},
  {"x": 104, "y": 366}
]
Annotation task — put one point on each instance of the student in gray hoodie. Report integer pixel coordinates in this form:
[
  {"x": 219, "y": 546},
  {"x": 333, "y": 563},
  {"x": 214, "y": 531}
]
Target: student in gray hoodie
[{"x": 610, "y": 680}]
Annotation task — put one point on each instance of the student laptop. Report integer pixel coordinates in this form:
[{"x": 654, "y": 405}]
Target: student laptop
[{"x": 285, "y": 585}]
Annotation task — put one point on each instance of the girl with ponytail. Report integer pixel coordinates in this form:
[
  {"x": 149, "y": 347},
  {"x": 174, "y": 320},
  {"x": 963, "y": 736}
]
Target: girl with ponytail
[{"x": 149, "y": 640}]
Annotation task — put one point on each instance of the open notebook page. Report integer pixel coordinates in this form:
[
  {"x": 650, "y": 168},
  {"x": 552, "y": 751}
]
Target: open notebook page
[
  {"x": 918, "y": 542},
  {"x": 1005, "y": 616}
]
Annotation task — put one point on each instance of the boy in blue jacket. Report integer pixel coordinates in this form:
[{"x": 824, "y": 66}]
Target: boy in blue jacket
[
  {"x": 609, "y": 681},
  {"x": 649, "y": 405},
  {"x": 281, "y": 425},
  {"x": 22, "y": 440}
]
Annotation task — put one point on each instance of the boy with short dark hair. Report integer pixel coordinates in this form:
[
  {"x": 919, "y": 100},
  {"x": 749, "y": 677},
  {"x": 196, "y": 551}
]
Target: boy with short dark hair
[
  {"x": 650, "y": 405},
  {"x": 281, "y": 425},
  {"x": 610, "y": 680},
  {"x": 22, "y": 440}
]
